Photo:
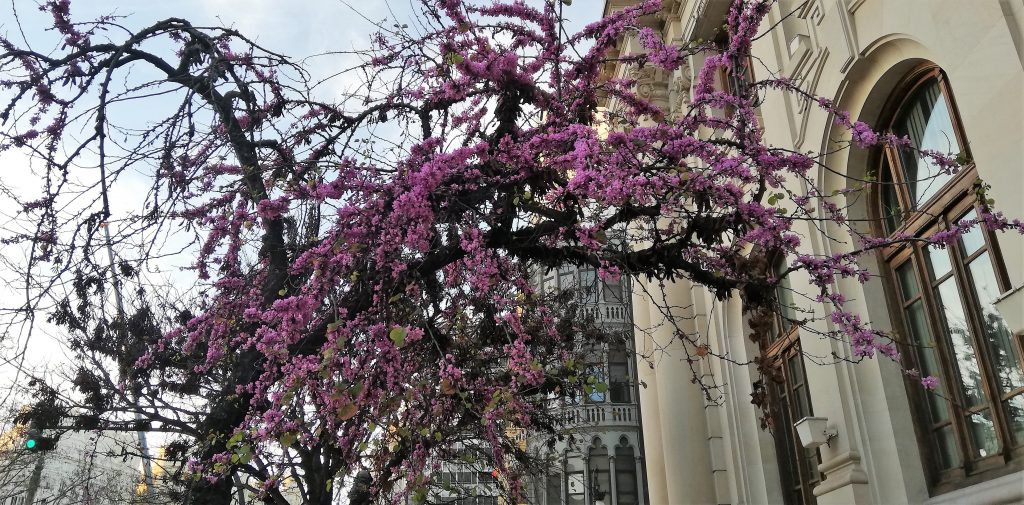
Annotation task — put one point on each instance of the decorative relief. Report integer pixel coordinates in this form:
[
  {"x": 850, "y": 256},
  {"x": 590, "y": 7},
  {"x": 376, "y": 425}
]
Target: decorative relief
[
  {"x": 669, "y": 10},
  {"x": 679, "y": 91},
  {"x": 650, "y": 85}
]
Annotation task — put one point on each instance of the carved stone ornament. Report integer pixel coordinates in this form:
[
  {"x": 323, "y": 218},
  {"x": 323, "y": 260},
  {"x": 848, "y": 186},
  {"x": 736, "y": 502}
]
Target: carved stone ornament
[
  {"x": 644, "y": 78},
  {"x": 679, "y": 90}
]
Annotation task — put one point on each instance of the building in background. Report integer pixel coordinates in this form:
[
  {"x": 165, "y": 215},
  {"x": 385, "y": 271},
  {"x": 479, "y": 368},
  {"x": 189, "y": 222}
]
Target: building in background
[
  {"x": 602, "y": 462},
  {"x": 85, "y": 467},
  {"x": 950, "y": 75}
]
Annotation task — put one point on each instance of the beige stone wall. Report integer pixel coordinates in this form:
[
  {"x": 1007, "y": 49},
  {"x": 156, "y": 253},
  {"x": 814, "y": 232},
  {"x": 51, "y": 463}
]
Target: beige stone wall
[{"x": 852, "y": 51}]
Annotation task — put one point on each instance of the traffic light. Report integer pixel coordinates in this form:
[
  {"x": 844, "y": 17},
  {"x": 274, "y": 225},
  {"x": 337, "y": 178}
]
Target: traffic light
[{"x": 36, "y": 442}]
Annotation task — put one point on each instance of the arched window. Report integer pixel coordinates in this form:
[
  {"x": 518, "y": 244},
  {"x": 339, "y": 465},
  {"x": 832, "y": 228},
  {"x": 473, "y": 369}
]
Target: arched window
[
  {"x": 600, "y": 472},
  {"x": 626, "y": 485},
  {"x": 942, "y": 297}
]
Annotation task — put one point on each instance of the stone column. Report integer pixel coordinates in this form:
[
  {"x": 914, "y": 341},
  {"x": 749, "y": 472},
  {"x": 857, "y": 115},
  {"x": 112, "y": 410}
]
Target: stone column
[
  {"x": 681, "y": 404},
  {"x": 611, "y": 472},
  {"x": 650, "y": 415},
  {"x": 586, "y": 479},
  {"x": 641, "y": 497}
]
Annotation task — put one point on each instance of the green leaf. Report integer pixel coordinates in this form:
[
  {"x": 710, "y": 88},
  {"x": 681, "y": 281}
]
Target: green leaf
[
  {"x": 347, "y": 411},
  {"x": 588, "y": 389},
  {"x": 244, "y": 454},
  {"x": 282, "y": 292},
  {"x": 235, "y": 440},
  {"x": 601, "y": 387},
  {"x": 454, "y": 58},
  {"x": 397, "y": 336},
  {"x": 420, "y": 496},
  {"x": 288, "y": 439},
  {"x": 362, "y": 446}
]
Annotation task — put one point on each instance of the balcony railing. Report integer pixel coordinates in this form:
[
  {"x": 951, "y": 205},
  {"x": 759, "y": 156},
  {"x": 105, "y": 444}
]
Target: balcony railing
[
  {"x": 607, "y": 312},
  {"x": 602, "y": 415}
]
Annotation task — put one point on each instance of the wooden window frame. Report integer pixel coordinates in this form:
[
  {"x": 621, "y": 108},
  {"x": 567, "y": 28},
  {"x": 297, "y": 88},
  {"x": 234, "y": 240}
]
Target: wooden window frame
[
  {"x": 779, "y": 351},
  {"x": 779, "y": 347},
  {"x": 956, "y": 198}
]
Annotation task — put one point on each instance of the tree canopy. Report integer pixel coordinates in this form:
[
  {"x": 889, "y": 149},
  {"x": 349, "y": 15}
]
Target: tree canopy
[{"x": 366, "y": 261}]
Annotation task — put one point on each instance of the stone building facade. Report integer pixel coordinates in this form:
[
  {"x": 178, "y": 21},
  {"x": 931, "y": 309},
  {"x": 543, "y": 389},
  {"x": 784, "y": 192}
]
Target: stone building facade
[
  {"x": 602, "y": 463},
  {"x": 950, "y": 74}
]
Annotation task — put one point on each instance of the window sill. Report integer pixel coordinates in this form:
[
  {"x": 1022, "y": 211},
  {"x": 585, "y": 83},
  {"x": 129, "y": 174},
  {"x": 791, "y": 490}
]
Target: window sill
[
  {"x": 1005, "y": 489},
  {"x": 1011, "y": 307}
]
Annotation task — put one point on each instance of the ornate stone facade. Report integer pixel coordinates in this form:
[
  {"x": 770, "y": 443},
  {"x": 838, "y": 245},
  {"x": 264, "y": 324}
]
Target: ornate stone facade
[{"x": 854, "y": 52}]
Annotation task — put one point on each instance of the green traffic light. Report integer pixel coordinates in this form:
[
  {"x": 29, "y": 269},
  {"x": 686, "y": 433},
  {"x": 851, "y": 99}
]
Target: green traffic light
[{"x": 30, "y": 443}]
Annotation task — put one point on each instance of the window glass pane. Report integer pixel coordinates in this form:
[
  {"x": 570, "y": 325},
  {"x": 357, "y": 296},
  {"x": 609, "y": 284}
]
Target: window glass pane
[
  {"x": 1007, "y": 362},
  {"x": 908, "y": 280},
  {"x": 550, "y": 285},
  {"x": 811, "y": 466},
  {"x": 973, "y": 239},
  {"x": 784, "y": 294},
  {"x": 554, "y": 490},
  {"x": 566, "y": 280},
  {"x": 588, "y": 286},
  {"x": 618, "y": 374},
  {"x": 796, "y": 371},
  {"x": 926, "y": 120},
  {"x": 966, "y": 359},
  {"x": 1015, "y": 414},
  {"x": 625, "y": 476},
  {"x": 600, "y": 474},
  {"x": 597, "y": 372},
  {"x": 892, "y": 215},
  {"x": 949, "y": 455},
  {"x": 612, "y": 292},
  {"x": 927, "y": 358},
  {"x": 785, "y": 444},
  {"x": 983, "y": 433},
  {"x": 938, "y": 261},
  {"x": 802, "y": 401}
]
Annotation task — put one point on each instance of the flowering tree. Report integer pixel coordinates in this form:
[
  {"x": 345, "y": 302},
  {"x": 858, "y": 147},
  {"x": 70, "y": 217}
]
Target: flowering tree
[{"x": 366, "y": 262}]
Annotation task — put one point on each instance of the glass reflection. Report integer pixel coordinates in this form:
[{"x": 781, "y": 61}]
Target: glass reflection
[
  {"x": 925, "y": 119},
  {"x": 964, "y": 354},
  {"x": 908, "y": 281},
  {"x": 938, "y": 261},
  {"x": 949, "y": 456},
  {"x": 1015, "y": 414},
  {"x": 892, "y": 214},
  {"x": 1007, "y": 362},
  {"x": 983, "y": 433},
  {"x": 927, "y": 359},
  {"x": 973, "y": 239}
]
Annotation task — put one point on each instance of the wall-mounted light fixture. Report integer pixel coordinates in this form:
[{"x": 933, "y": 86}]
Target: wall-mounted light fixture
[{"x": 814, "y": 431}]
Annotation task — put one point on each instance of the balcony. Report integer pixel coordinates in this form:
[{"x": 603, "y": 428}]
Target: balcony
[
  {"x": 606, "y": 313},
  {"x": 601, "y": 415}
]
